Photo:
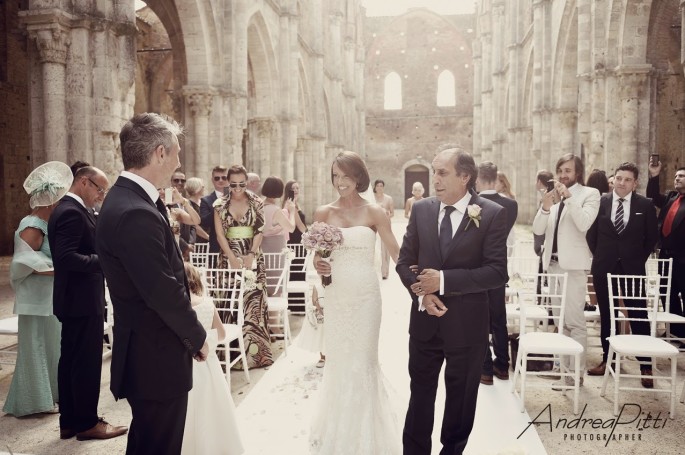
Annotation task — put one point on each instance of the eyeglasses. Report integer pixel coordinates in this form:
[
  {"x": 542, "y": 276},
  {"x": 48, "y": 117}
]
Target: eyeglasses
[
  {"x": 220, "y": 177},
  {"x": 101, "y": 190},
  {"x": 239, "y": 184},
  {"x": 179, "y": 180}
]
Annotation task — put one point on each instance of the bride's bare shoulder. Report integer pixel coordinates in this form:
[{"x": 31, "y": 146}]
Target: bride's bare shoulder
[{"x": 322, "y": 212}]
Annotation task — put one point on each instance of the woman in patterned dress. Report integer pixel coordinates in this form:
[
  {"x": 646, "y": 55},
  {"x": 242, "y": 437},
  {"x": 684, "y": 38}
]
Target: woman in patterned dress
[{"x": 239, "y": 215}]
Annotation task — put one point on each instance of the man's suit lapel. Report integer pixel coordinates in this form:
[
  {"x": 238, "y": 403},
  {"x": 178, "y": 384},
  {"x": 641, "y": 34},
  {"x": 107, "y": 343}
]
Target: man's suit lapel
[
  {"x": 433, "y": 239},
  {"x": 605, "y": 205},
  {"x": 634, "y": 203},
  {"x": 88, "y": 213}
]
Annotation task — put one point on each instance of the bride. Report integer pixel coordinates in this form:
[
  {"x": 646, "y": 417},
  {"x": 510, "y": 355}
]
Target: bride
[{"x": 354, "y": 413}]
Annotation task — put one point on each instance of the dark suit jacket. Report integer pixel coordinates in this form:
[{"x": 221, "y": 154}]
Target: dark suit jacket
[
  {"x": 156, "y": 331},
  {"x": 476, "y": 262},
  {"x": 674, "y": 243},
  {"x": 632, "y": 247},
  {"x": 207, "y": 220},
  {"x": 79, "y": 288},
  {"x": 510, "y": 205}
]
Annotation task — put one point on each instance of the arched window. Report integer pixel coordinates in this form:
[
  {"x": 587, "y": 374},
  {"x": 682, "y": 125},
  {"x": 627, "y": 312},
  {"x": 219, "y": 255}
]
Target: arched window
[
  {"x": 446, "y": 95},
  {"x": 393, "y": 92}
]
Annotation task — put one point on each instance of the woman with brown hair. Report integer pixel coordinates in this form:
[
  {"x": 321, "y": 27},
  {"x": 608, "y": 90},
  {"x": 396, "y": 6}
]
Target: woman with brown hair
[{"x": 239, "y": 223}]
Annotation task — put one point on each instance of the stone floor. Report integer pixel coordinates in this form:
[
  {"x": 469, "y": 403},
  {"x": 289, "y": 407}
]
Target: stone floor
[{"x": 553, "y": 411}]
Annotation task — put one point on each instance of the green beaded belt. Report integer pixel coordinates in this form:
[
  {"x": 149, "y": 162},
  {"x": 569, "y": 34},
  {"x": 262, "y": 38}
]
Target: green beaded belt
[{"x": 240, "y": 232}]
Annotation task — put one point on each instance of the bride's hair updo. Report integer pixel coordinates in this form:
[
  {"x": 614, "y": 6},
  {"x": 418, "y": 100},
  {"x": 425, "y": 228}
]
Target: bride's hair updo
[{"x": 353, "y": 165}]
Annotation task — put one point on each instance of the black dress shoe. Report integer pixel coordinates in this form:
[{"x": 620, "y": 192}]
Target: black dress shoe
[
  {"x": 647, "y": 383},
  {"x": 501, "y": 374},
  {"x": 486, "y": 379}
]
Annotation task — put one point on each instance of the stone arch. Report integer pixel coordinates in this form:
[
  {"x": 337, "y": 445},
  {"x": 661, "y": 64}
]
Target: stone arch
[
  {"x": 260, "y": 54},
  {"x": 168, "y": 14},
  {"x": 417, "y": 169},
  {"x": 305, "y": 103},
  {"x": 636, "y": 19},
  {"x": 565, "y": 80}
]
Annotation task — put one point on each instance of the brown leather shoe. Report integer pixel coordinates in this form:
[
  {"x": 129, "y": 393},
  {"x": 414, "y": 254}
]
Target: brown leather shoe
[
  {"x": 66, "y": 433},
  {"x": 598, "y": 370},
  {"x": 501, "y": 374},
  {"x": 647, "y": 383},
  {"x": 101, "y": 430},
  {"x": 485, "y": 379}
]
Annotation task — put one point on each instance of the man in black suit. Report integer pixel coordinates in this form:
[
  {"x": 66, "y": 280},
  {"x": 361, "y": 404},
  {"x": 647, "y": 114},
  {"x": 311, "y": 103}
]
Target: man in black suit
[
  {"x": 156, "y": 331},
  {"x": 79, "y": 304},
  {"x": 621, "y": 239},
  {"x": 458, "y": 241},
  {"x": 220, "y": 181},
  {"x": 672, "y": 236},
  {"x": 485, "y": 185}
]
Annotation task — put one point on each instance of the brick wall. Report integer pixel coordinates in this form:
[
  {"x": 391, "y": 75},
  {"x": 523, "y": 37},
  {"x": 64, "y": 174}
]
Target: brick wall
[{"x": 14, "y": 125}]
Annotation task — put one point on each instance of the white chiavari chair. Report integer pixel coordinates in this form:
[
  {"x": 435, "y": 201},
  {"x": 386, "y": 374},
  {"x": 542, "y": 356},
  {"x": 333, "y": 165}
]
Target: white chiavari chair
[
  {"x": 634, "y": 293},
  {"x": 227, "y": 288},
  {"x": 204, "y": 260},
  {"x": 664, "y": 269},
  {"x": 108, "y": 342},
  {"x": 536, "y": 343},
  {"x": 202, "y": 247},
  {"x": 277, "y": 270},
  {"x": 298, "y": 267}
]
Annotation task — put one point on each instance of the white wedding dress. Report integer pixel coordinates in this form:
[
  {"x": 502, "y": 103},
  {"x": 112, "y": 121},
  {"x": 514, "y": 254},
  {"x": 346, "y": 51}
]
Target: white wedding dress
[
  {"x": 355, "y": 414},
  {"x": 211, "y": 426}
]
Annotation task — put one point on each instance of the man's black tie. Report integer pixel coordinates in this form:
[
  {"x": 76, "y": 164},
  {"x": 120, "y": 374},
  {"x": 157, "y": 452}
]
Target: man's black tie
[
  {"x": 162, "y": 209},
  {"x": 618, "y": 219},
  {"x": 556, "y": 227},
  {"x": 446, "y": 230}
]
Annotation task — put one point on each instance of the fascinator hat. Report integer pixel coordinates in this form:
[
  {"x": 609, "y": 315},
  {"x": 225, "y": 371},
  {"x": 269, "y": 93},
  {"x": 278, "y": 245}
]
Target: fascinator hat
[{"x": 47, "y": 183}]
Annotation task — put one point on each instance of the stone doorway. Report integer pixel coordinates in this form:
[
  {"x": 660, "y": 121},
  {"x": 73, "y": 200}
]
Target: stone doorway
[{"x": 416, "y": 173}]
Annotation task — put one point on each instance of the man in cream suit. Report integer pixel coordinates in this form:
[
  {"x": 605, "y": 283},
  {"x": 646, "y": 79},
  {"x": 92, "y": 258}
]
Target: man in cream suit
[{"x": 566, "y": 214}]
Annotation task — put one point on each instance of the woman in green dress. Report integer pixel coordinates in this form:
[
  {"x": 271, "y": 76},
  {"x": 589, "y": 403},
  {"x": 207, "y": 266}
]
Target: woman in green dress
[
  {"x": 34, "y": 383},
  {"x": 239, "y": 216}
]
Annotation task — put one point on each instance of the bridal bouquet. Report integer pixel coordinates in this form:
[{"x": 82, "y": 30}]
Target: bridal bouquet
[{"x": 323, "y": 239}]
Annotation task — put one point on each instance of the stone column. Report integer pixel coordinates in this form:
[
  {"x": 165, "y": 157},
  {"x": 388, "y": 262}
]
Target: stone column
[
  {"x": 584, "y": 68},
  {"x": 52, "y": 44},
  {"x": 200, "y": 104},
  {"x": 682, "y": 35},
  {"x": 632, "y": 87}
]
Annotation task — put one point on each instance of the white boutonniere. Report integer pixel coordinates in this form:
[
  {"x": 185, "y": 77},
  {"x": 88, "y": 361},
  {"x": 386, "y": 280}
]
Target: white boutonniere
[{"x": 473, "y": 212}]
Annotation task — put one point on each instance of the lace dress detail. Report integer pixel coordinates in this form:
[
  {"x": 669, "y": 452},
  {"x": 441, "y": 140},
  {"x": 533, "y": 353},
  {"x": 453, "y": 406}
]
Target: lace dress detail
[{"x": 354, "y": 414}]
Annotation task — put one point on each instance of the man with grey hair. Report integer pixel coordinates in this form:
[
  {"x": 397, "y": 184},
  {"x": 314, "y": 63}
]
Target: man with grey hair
[
  {"x": 458, "y": 241},
  {"x": 157, "y": 332},
  {"x": 254, "y": 183},
  {"x": 485, "y": 185}
]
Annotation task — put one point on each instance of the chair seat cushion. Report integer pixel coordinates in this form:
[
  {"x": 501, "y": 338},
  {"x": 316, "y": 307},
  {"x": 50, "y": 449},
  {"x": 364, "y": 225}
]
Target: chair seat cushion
[
  {"x": 532, "y": 311},
  {"x": 548, "y": 343},
  {"x": 232, "y": 332},
  {"x": 641, "y": 345}
]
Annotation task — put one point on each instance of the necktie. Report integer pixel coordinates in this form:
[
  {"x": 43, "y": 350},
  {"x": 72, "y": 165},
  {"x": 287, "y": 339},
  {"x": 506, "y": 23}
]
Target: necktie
[
  {"x": 162, "y": 209},
  {"x": 556, "y": 227},
  {"x": 446, "y": 230},
  {"x": 618, "y": 219},
  {"x": 668, "y": 221}
]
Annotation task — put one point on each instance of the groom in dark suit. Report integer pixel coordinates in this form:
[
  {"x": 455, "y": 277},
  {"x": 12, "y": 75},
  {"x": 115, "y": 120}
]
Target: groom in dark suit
[
  {"x": 156, "y": 331},
  {"x": 458, "y": 241}
]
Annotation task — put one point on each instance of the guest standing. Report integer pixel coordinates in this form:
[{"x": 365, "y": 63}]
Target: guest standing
[
  {"x": 195, "y": 188},
  {"x": 34, "y": 383},
  {"x": 239, "y": 222},
  {"x": 278, "y": 224},
  {"x": 156, "y": 332},
  {"x": 292, "y": 192},
  {"x": 79, "y": 304},
  {"x": 386, "y": 202},
  {"x": 220, "y": 182},
  {"x": 417, "y": 191}
]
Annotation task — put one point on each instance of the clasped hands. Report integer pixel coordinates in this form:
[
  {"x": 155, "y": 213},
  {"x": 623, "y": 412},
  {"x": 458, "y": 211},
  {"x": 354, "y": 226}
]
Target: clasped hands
[
  {"x": 428, "y": 283},
  {"x": 201, "y": 355}
]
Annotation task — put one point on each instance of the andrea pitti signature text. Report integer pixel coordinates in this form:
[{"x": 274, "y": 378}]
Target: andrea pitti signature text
[{"x": 629, "y": 420}]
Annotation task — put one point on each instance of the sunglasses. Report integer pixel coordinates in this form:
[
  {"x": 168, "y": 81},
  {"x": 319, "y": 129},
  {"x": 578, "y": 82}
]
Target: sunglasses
[
  {"x": 236, "y": 185},
  {"x": 220, "y": 177},
  {"x": 179, "y": 180}
]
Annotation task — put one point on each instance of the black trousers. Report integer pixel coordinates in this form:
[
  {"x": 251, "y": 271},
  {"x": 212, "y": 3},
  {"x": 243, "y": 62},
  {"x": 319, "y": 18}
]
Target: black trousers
[
  {"x": 157, "y": 426},
  {"x": 599, "y": 280},
  {"x": 462, "y": 379},
  {"x": 498, "y": 329},
  {"x": 78, "y": 372}
]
